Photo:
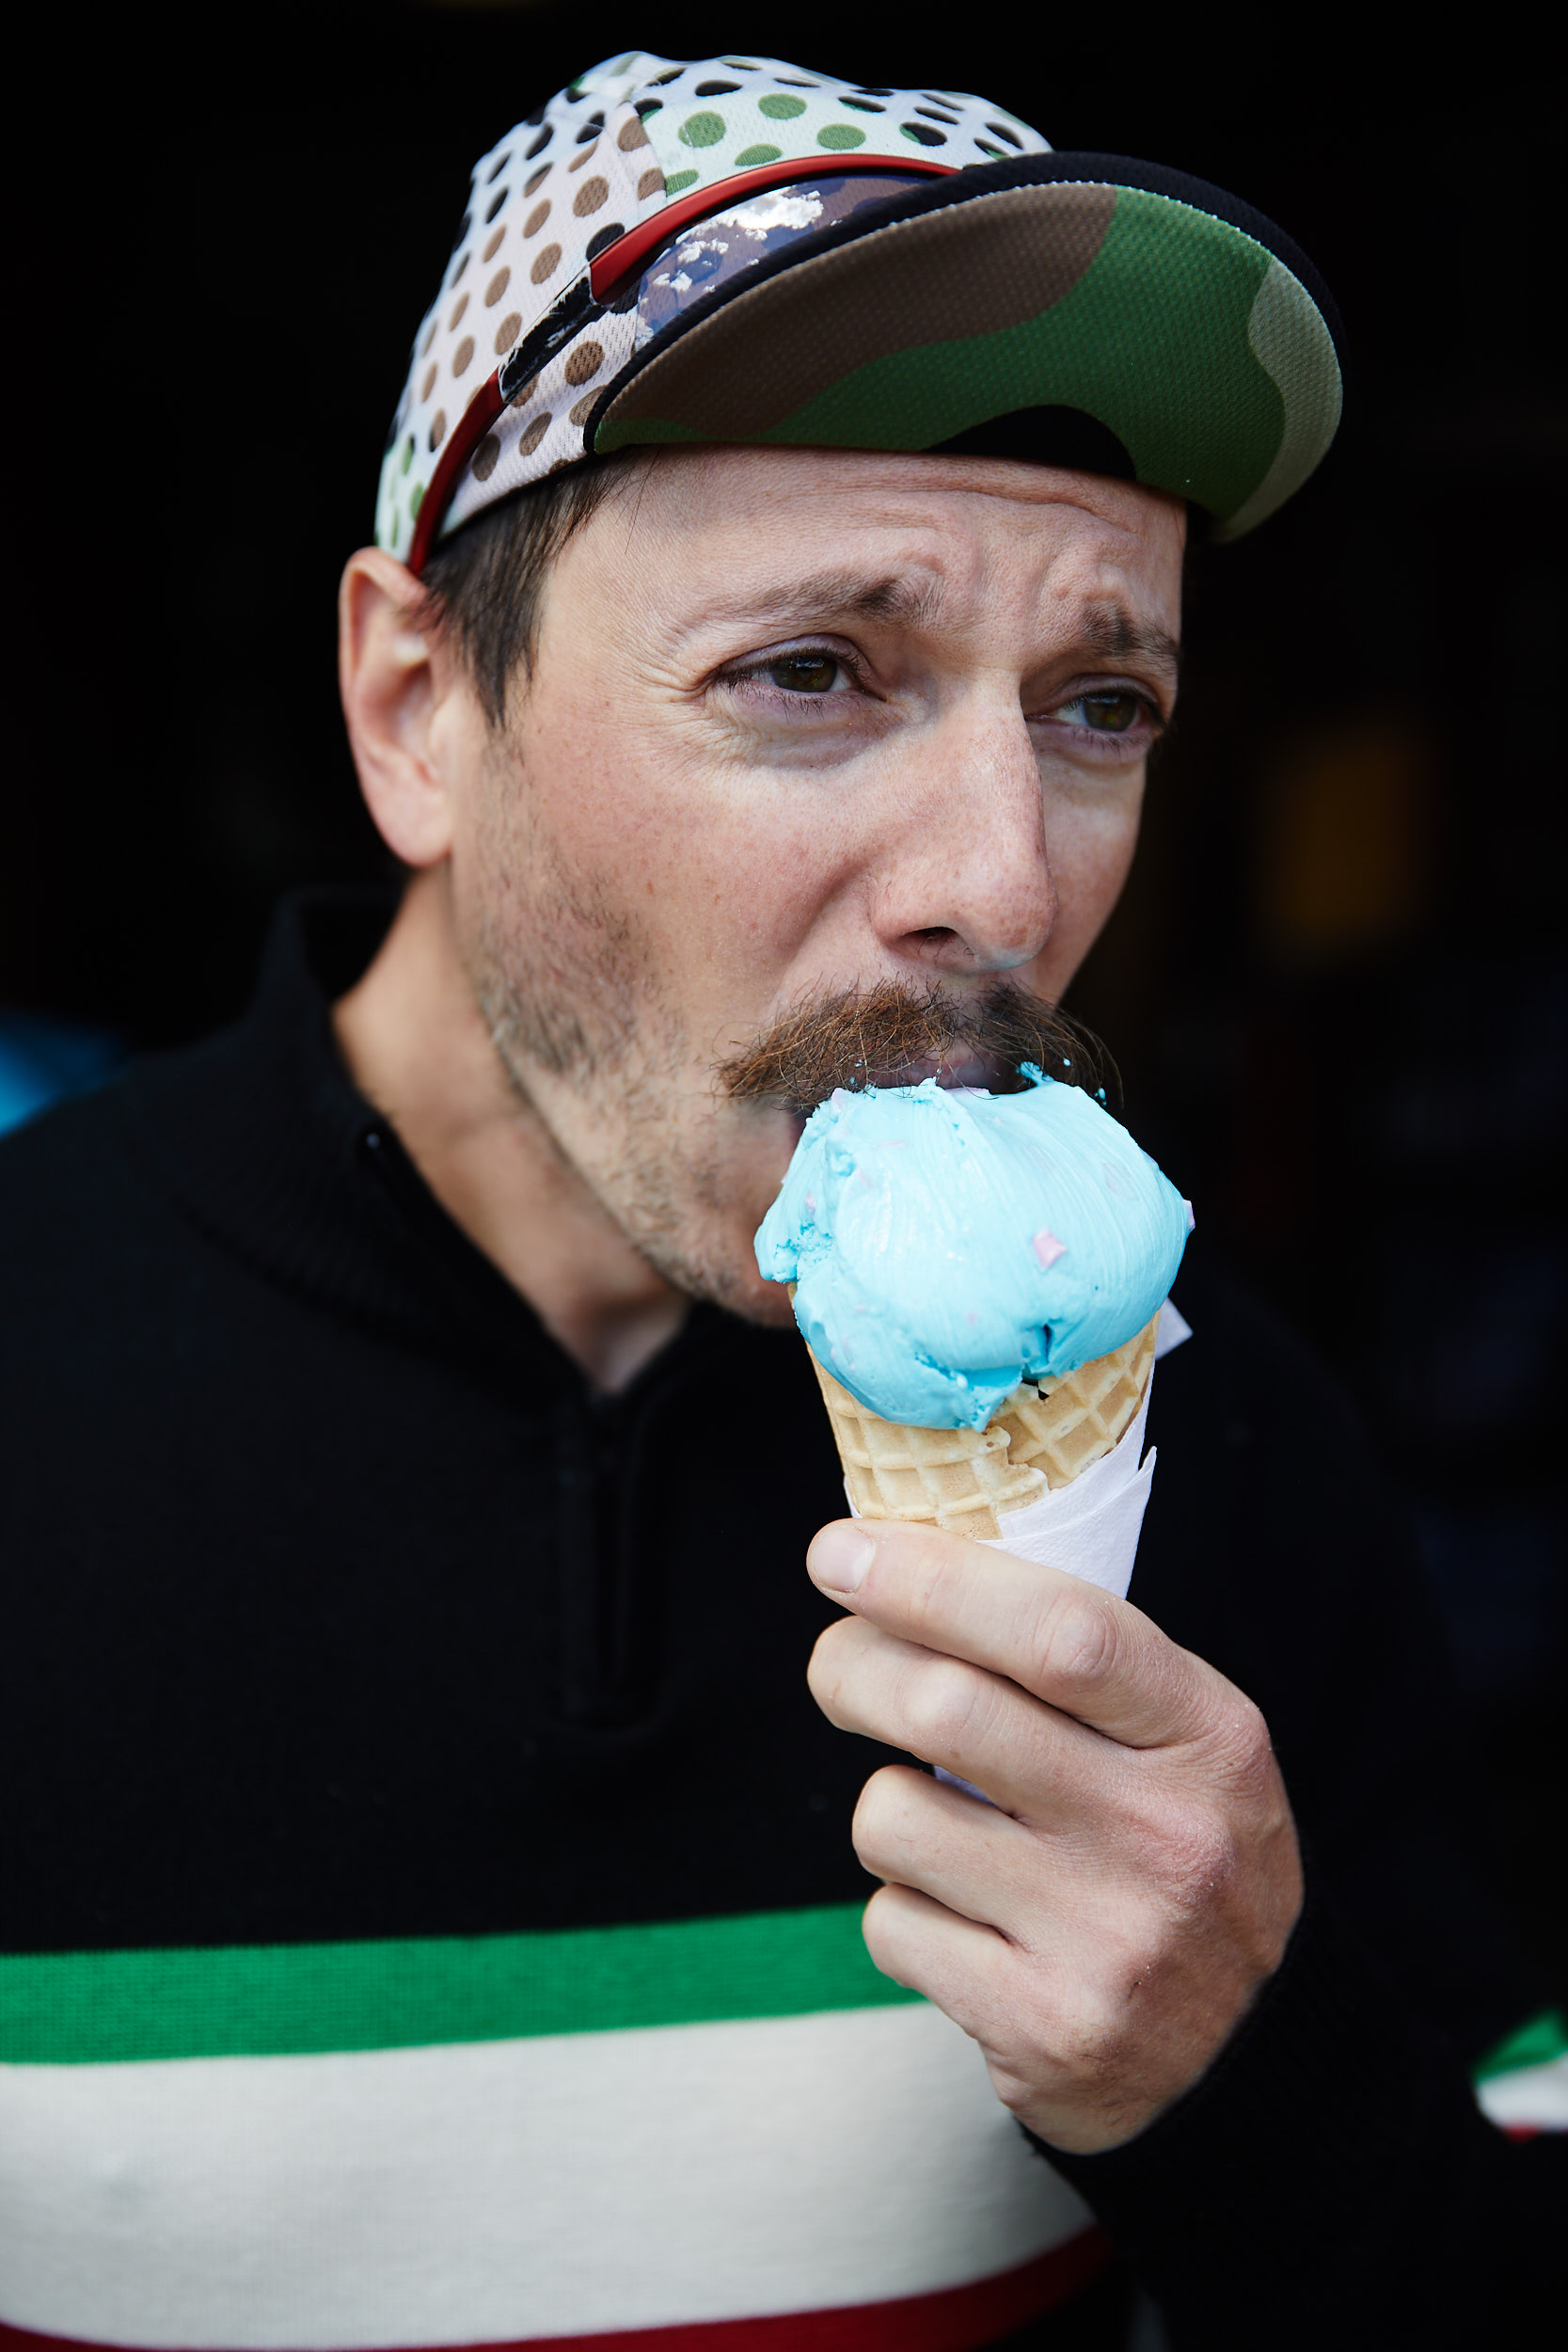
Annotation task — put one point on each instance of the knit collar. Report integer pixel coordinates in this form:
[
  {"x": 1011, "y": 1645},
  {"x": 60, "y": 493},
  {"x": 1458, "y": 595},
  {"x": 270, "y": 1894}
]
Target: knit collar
[{"x": 264, "y": 1143}]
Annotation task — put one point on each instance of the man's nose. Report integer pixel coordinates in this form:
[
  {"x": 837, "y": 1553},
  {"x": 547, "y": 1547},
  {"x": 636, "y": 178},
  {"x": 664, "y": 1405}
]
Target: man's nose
[{"x": 966, "y": 885}]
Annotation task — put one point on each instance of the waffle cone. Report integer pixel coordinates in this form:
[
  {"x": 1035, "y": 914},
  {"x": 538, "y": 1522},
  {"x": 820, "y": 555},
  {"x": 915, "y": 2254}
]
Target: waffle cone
[
  {"x": 1059, "y": 1426},
  {"x": 965, "y": 1480}
]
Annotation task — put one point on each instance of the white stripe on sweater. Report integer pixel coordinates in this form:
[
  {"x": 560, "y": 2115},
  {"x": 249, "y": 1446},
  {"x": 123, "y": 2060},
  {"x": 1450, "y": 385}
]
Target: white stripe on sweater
[
  {"x": 1528, "y": 2098},
  {"x": 494, "y": 2190}
]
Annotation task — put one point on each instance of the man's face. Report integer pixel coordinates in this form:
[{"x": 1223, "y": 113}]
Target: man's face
[{"x": 801, "y": 723}]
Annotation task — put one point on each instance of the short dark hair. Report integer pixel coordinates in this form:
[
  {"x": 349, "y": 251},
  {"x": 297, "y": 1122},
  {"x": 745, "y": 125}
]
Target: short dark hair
[{"x": 482, "y": 587}]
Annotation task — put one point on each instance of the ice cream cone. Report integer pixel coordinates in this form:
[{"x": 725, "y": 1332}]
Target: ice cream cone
[
  {"x": 966, "y": 1480},
  {"x": 958, "y": 1479},
  {"x": 1061, "y": 1425}
]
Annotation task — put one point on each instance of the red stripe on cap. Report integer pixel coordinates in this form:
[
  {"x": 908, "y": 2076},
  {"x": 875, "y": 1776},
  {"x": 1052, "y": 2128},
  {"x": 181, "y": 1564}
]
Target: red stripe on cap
[
  {"x": 615, "y": 263},
  {"x": 951, "y": 2319},
  {"x": 619, "y": 260},
  {"x": 464, "y": 439}
]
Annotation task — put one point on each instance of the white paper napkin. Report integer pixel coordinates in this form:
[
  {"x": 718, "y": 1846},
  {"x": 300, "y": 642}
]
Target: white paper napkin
[{"x": 1091, "y": 1528}]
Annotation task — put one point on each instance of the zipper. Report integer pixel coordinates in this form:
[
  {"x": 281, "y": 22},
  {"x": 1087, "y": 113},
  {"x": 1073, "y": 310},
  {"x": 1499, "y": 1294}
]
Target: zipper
[
  {"x": 606, "y": 1601},
  {"x": 604, "y": 1608}
]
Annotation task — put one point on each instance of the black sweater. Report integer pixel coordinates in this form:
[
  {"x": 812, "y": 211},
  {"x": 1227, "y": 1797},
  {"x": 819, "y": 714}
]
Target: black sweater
[{"x": 339, "y": 1609}]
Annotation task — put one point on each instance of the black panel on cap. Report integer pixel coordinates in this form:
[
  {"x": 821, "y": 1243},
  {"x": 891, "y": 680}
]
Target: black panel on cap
[{"x": 1045, "y": 436}]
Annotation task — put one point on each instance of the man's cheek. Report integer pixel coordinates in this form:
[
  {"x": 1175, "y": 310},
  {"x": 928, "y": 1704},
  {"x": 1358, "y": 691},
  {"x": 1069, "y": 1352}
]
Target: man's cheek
[{"x": 1091, "y": 855}]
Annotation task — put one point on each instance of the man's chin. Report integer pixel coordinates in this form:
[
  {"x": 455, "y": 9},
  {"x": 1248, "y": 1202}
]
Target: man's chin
[
  {"x": 710, "y": 1253},
  {"x": 728, "y": 1280},
  {"x": 767, "y": 1304}
]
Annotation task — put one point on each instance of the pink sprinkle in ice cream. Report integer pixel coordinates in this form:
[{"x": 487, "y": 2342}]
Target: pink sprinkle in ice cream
[{"x": 1047, "y": 1248}]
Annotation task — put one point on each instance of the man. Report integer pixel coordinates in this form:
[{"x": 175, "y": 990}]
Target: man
[{"x": 432, "y": 1908}]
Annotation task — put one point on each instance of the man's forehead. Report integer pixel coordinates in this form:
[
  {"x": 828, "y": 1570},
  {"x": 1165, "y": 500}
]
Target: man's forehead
[
  {"x": 907, "y": 540},
  {"x": 906, "y": 487}
]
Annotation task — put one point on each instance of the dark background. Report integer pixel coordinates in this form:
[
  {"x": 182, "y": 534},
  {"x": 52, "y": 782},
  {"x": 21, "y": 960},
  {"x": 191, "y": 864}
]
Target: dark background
[{"x": 1337, "y": 985}]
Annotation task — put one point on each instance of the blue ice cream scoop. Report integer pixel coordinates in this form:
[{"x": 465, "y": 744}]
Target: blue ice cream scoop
[{"x": 948, "y": 1244}]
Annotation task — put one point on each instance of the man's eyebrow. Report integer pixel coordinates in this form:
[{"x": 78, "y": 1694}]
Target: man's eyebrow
[
  {"x": 1109, "y": 627},
  {"x": 1114, "y": 631},
  {"x": 847, "y": 594}
]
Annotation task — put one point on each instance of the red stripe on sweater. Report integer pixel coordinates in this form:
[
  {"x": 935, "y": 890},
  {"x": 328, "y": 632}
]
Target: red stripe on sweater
[{"x": 955, "y": 2319}]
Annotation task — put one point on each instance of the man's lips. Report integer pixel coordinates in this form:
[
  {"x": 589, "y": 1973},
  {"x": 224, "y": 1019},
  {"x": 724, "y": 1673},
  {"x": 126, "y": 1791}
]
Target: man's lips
[{"x": 962, "y": 1066}]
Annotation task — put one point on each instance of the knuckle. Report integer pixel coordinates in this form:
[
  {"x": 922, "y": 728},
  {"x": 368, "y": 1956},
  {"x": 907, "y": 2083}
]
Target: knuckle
[
  {"x": 1094, "y": 2036},
  {"x": 881, "y": 1828},
  {"x": 1070, "y": 2048},
  {"x": 1242, "y": 1752},
  {"x": 1077, "y": 2051},
  {"x": 823, "y": 1672},
  {"x": 838, "y": 1641},
  {"x": 1017, "y": 2092},
  {"x": 1198, "y": 1860},
  {"x": 833, "y": 1663},
  {"x": 880, "y": 1923},
  {"x": 1076, "y": 1642},
  {"x": 1250, "y": 1746},
  {"x": 942, "y": 1702}
]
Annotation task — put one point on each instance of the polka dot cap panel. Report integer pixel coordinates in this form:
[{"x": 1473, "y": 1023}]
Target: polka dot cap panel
[
  {"x": 562, "y": 183},
  {"x": 710, "y": 120},
  {"x": 615, "y": 147},
  {"x": 542, "y": 428}
]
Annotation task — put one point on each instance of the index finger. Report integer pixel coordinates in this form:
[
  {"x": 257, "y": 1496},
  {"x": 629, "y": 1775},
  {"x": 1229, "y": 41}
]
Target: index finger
[{"x": 1081, "y": 1650}]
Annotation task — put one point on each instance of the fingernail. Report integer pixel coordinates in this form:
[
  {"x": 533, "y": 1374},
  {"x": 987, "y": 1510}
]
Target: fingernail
[{"x": 840, "y": 1556}]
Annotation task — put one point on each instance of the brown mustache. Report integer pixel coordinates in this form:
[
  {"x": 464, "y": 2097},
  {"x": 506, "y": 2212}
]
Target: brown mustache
[{"x": 886, "y": 1036}]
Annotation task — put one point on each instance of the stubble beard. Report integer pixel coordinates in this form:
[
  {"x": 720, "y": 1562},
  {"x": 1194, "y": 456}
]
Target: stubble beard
[{"x": 571, "y": 996}]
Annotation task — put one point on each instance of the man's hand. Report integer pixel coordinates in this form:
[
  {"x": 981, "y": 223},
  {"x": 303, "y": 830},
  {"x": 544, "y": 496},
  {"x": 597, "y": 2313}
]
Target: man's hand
[{"x": 1102, "y": 1935}]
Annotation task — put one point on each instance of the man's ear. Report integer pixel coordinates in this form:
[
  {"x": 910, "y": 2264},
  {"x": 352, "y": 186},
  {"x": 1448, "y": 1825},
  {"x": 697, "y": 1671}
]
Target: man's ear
[{"x": 395, "y": 678}]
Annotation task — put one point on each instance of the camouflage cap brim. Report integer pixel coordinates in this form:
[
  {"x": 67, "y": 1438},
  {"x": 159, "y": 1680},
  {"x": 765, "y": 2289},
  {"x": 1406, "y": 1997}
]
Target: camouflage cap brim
[{"x": 1007, "y": 310}]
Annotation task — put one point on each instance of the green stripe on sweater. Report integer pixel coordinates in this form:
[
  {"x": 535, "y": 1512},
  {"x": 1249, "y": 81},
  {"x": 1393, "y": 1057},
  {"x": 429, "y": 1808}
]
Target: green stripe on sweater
[
  {"x": 287, "y": 1999},
  {"x": 1537, "y": 2042}
]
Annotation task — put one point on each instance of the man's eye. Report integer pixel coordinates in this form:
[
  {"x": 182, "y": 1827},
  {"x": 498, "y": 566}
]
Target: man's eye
[
  {"x": 1107, "y": 714},
  {"x": 804, "y": 672}
]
